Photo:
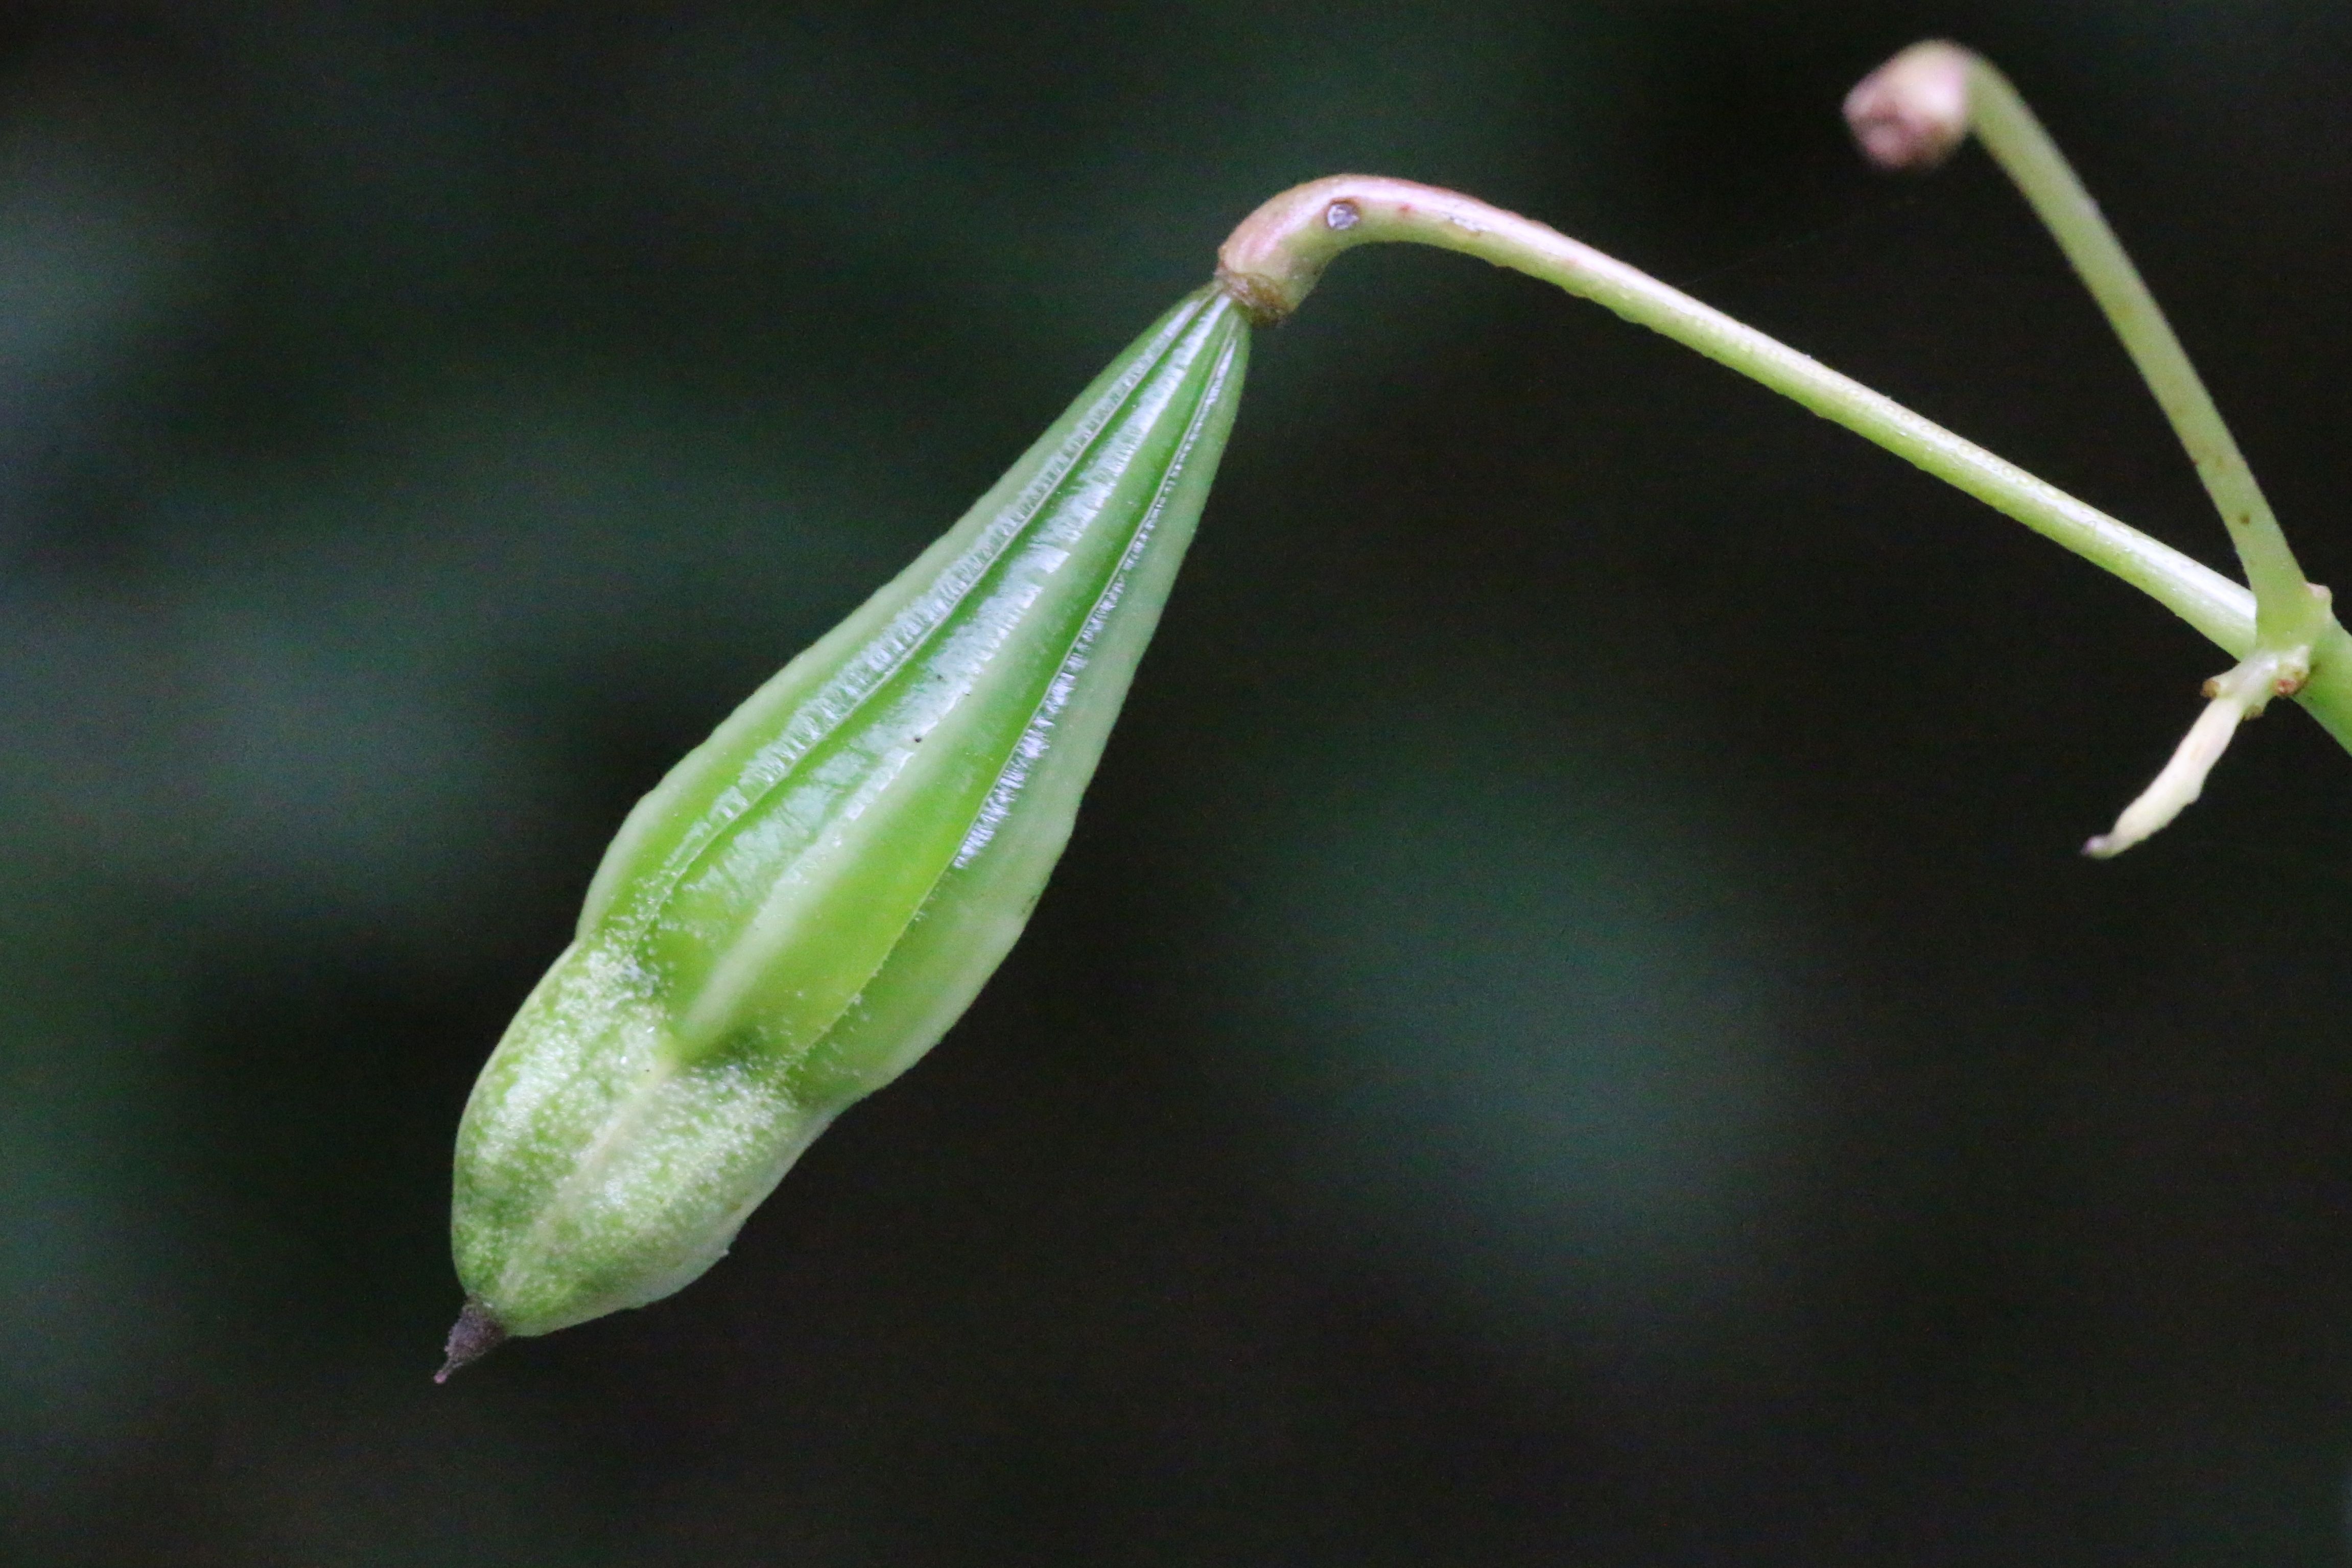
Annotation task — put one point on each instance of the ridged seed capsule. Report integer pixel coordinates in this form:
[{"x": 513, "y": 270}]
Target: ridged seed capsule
[{"x": 808, "y": 901}]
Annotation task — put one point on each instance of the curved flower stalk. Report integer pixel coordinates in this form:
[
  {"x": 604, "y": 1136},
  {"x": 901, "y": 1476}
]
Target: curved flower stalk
[
  {"x": 1276, "y": 258},
  {"x": 1912, "y": 114},
  {"x": 812, "y": 897}
]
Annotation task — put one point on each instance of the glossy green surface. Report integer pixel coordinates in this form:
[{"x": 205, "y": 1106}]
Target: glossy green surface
[{"x": 809, "y": 900}]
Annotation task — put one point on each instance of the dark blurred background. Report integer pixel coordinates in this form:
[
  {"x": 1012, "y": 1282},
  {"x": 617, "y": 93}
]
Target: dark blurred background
[{"x": 1572, "y": 1029}]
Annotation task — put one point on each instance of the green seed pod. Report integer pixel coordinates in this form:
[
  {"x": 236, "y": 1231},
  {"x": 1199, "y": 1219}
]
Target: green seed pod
[{"x": 808, "y": 901}]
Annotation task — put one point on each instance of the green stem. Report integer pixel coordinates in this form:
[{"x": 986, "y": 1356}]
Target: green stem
[
  {"x": 1940, "y": 77},
  {"x": 1271, "y": 262},
  {"x": 1274, "y": 258}
]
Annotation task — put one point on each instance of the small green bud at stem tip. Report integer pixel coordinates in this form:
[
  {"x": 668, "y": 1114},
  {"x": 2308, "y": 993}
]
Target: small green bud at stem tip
[{"x": 475, "y": 1335}]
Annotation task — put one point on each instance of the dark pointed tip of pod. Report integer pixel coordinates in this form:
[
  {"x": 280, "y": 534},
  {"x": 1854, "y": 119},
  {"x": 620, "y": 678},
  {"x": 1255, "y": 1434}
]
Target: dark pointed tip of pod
[{"x": 476, "y": 1334}]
